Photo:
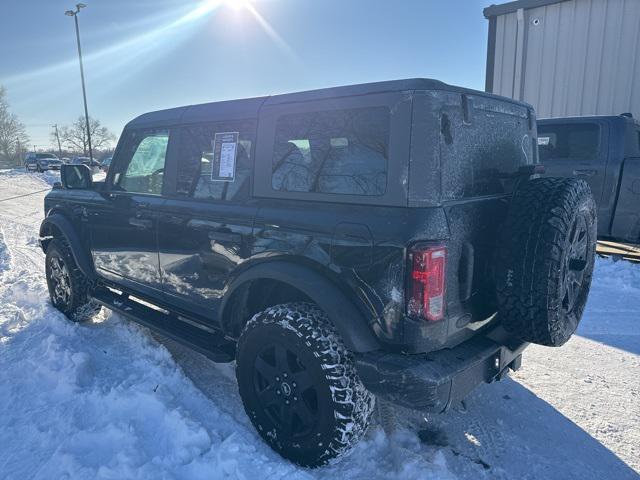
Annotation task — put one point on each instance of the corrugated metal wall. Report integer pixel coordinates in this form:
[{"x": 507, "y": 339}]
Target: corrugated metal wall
[{"x": 576, "y": 57}]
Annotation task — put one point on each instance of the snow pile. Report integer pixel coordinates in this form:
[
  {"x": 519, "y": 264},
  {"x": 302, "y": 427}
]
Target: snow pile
[
  {"x": 48, "y": 177},
  {"x": 613, "y": 310}
]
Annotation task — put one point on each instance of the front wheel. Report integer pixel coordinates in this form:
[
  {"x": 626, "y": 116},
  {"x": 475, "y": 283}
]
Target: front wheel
[
  {"x": 68, "y": 287},
  {"x": 299, "y": 386}
]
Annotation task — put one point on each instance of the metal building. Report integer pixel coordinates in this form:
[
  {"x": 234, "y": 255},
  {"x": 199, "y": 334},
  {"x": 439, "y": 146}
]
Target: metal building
[{"x": 566, "y": 57}]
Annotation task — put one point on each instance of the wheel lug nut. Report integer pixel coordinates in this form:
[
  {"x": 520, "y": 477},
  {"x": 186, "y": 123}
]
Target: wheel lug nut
[
  {"x": 277, "y": 392},
  {"x": 294, "y": 384},
  {"x": 284, "y": 375},
  {"x": 295, "y": 399},
  {"x": 287, "y": 402},
  {"x": 277, "y": 379}
]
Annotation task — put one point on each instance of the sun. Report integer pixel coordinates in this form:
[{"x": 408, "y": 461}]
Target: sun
[{"x": 237, "y": 4}]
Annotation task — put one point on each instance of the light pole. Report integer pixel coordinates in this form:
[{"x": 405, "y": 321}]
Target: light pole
[
  {"x": 58, "y": 138},
  {"x": 74, "y": 14}
]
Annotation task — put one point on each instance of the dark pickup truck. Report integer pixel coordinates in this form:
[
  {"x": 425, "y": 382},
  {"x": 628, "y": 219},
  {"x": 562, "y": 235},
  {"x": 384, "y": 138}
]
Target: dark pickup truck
[
  {"x": 605, "y": 152},
  {"x": 387, "y": 240}
]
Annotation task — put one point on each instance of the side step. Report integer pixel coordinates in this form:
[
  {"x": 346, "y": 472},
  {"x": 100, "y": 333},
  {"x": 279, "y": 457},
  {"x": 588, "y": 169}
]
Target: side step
[{"x": 201, "y": 338}]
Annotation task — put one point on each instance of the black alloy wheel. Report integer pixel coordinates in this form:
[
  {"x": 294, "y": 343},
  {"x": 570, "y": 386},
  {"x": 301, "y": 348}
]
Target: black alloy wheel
[
  {"x": 286, "y": 390},
  {"x": 575, "y": 263}
]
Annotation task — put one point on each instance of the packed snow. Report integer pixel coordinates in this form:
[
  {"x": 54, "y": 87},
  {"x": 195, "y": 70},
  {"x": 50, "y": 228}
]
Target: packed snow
[{"x": 109, "y": 400}]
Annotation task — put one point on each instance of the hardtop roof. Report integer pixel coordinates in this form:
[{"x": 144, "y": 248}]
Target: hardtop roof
[{"x": 250, "y": 107}]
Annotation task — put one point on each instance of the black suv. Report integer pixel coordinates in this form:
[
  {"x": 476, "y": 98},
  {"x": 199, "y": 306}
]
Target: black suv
[{"x": 385, "y": 240}]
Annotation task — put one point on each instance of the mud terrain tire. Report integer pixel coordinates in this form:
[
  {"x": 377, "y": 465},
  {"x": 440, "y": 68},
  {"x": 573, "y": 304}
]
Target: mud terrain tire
[
  {"x": 545, "y": 259},
  {"x": 68, "y": 288},
  {"x": 299, "y": 386}
]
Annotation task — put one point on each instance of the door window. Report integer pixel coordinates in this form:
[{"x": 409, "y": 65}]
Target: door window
[
  {"x": 573, "y": 141},
  {"x": 214, "y": 161},
  {"x": 142, "y": 167}
]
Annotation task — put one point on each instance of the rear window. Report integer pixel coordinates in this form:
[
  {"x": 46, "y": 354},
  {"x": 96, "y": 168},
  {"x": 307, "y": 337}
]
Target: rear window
[
  {"x": 576, "y": 141},
  {"x": 45, "y": 156},
  {"x": 333, "y": 152}
]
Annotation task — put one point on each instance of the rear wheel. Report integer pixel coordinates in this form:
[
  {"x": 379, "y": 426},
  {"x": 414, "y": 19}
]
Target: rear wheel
[
  {"x": 68, "y": 288},
  {"x": 299, "y": 386}
]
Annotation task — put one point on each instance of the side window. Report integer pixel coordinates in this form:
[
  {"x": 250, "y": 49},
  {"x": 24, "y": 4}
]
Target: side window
[
  {"x": 141, "y": 168},
  {"x": 334, "y": 152},
  {"x": 214, "y": 161},
  {"x": 574, "y": 141}
]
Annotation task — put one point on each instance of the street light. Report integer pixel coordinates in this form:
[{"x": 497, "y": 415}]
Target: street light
[{"x": 74, "y": 14}]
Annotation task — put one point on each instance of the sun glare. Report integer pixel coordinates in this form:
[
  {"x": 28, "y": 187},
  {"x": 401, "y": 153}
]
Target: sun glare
[{"x": 237, "y": 4}]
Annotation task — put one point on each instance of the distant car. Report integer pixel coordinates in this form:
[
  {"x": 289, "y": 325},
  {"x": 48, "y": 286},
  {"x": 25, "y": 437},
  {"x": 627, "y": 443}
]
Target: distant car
[
  {"x": 106, "y": 163},
  {"x": 94, "y": 165},
  {"x": 65, "y": 160},
  {"x": 40, "y": 162}
]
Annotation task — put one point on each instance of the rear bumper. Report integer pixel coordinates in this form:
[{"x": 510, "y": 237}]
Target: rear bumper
[{"x": 433, "y": 382}]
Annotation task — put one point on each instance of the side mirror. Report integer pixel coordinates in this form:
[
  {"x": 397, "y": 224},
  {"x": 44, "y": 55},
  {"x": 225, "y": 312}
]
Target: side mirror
[{"x": 76, "y": 177}]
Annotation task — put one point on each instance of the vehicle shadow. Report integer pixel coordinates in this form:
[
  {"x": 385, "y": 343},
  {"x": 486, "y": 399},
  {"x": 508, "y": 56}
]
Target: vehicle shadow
[{"x": 503, "y": 431}]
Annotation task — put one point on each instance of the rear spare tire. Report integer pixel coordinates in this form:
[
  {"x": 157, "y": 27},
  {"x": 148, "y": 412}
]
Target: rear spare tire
[
  {"x": 545, "y": 259},
  {"x": 299, "y": 386}
]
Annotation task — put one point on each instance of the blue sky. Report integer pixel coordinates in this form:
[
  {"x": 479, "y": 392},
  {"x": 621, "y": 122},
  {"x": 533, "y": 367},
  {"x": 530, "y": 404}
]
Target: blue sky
[{"x": 146, "y": 55}]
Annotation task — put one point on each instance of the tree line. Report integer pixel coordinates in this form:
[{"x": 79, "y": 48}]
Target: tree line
[{"x": 68, "y": 140}]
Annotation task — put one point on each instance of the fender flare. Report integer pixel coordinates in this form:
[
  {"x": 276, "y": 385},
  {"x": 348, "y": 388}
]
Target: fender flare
[
  {"x": 350, "y": 323},
  {"x": 68, "y": 231}
]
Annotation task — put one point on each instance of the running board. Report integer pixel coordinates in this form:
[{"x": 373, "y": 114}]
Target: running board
[{"x": 201, "y": 338}]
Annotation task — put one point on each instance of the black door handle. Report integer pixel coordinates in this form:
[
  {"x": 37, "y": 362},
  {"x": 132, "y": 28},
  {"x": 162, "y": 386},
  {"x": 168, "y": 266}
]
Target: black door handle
[
  {"x": 225, "y": 236},
  {"x": 142, "y": 223},
  {"x": 585, "y": 173}
]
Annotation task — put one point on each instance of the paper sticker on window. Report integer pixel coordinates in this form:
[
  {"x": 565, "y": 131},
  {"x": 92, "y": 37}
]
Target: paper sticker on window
[
  {"x": 225, "y": 150},
  {"x": 544, "y": 141}
]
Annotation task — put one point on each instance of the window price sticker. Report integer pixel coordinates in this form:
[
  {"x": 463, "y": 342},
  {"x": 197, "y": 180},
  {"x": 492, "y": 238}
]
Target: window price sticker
[{"x": 225, "y": 151}]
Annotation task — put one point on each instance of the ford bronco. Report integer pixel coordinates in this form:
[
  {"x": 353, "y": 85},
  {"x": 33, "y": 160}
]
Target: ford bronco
[{"x": 389, "y": 240}]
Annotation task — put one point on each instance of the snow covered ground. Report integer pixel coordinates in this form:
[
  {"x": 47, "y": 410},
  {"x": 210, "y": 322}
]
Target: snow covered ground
[{"x": 109, "y": 400}]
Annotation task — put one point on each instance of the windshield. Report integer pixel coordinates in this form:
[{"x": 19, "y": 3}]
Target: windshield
[{"x": 46, "y": 156}]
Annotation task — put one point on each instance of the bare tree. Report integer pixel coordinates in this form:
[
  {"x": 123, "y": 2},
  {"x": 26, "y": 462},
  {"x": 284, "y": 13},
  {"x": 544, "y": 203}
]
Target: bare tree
[
  {"x": 74, "y": 136},
  {"x": 13, "y": 134}
]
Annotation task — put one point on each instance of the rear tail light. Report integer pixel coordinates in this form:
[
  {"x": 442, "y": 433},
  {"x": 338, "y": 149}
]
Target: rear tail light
[{"x": 427, "y": 282}]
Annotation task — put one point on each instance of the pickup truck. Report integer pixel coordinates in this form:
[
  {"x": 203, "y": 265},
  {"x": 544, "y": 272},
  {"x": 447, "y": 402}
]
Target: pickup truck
[{"x": 604, "y": 151}]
